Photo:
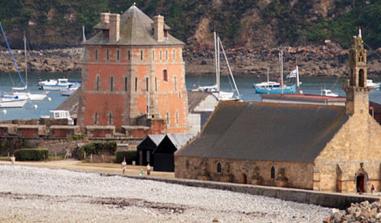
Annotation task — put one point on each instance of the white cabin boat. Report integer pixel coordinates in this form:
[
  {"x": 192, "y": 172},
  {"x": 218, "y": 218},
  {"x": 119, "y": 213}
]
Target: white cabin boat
[
  {"x": 55, "y": 85},
  {"x": 328, "y": 93},
  {"x": 372, "y": 85}
]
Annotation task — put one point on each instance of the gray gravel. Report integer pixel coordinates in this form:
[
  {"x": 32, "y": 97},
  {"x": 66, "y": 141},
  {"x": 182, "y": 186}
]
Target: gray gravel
[{"x": 43, "y": 195}]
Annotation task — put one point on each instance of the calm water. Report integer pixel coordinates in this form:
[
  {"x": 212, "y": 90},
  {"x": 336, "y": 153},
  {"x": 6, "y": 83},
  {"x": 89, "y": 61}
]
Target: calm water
[{"x": 245, "y": 84}]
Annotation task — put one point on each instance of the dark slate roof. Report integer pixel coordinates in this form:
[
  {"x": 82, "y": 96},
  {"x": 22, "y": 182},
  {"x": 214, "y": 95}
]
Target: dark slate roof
[
  {"x": 135, "y": 29},
  {"x": 267, "y": 131},
  {"x": 195, "y": 98},
  {"x": 71, "y": 103}
]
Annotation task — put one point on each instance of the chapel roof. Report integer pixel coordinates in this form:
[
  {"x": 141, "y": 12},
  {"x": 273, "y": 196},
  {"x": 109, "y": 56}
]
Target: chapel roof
[{"x": 267, "y": 131}]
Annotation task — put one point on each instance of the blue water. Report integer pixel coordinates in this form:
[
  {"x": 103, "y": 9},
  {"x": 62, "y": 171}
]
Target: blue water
[{"x": 311, "y": 85}]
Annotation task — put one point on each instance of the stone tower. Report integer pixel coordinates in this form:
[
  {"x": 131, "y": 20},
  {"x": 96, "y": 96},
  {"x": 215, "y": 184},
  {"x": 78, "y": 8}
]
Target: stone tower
[
  {"x": 356, "y": 88},
  {"x": 133, "y": 74}
]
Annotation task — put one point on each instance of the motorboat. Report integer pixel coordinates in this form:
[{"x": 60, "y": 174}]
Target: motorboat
[
  {"x": 328, "y": 93},
  {"x": 55, "y": 84},
  {"x": 372, "y": 85},
  {"x": 69, "y": 91}
]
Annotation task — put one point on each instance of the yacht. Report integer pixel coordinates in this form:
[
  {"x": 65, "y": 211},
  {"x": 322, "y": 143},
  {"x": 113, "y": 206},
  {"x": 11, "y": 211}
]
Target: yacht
[
  {"x": 372, "y": 85},
  {"x": 329, "y": 93},
  {"x": 55, "y": 84}
]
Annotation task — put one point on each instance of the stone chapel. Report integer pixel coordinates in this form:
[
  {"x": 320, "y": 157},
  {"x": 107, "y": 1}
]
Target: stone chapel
[{"x": 316, "y": 147}]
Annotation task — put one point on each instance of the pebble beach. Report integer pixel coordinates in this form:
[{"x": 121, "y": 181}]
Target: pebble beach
[{"x": 29, "y": 194}]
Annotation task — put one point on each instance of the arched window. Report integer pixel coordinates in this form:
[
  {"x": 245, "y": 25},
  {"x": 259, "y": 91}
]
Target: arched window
[
  {"x": 97, "y": 83},
  {"x": 272, "y": 172},
  {"x": 219, "y": 167},
  {"x": 361, "y": 78}
]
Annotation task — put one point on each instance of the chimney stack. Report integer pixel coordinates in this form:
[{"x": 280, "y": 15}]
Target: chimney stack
[
  {"x": 114, "y": 27},
  {"x": 105, "y": 18},
  {"x": 158, "y": 27}
]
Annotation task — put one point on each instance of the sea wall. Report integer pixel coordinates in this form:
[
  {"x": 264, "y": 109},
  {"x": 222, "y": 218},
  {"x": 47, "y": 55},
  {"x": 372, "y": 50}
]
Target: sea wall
[{"x": 325, "y": 199}]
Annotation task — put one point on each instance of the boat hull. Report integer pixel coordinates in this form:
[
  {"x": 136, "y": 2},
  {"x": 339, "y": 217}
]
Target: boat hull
[
  {"x": 12, "y": 104},
  {"x": 277, "y": 90}
]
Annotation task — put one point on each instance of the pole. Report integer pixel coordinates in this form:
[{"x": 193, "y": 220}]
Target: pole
[
  {"x": 26, "y": 63},
  {"x": 230, "y": 71},
  {"x": 281, "y": 69},
  {"x": 297, "y": 76},
  {"x": 218, "y": 65}
]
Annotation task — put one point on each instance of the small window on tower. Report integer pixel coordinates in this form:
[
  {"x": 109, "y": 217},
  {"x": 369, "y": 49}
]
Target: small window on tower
[
  {"x": 97, "y": 83},
  {"x": 107, "y": 54},
  {"x": 117, "y": 54},
  {"x": 141, "y": 55},
  {"x": 155, "y": 84},
  {"x": 136, "y": 84},
  {"x": 111, "y": 84},
  {"x": 110, "y": 118},
  {"x": 147, "y": 84},
  {"x": 96, "y": 118},
  {"x": 96, "y": 55},
  {"x": 129, "y": 55},
  {"x": 160, "y": 55},
  {"x": 125, "y": 83},
  {"x": 166, "y": 54},
  {"x": 165, "y": 75},
  {"x": 175, "y": 83},
  {"x": 168, "y": 119}
]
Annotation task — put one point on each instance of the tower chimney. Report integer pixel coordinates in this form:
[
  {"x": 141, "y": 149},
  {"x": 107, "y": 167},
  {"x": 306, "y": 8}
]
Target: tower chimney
[
  {"x": 158, "y": 28},
  {"x": 114, "y": 27},
  {"x": 105, "y": 18}
]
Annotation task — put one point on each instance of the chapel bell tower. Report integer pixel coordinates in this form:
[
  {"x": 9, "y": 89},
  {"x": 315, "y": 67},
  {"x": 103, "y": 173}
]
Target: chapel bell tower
[{"x": 356, "y": 88}]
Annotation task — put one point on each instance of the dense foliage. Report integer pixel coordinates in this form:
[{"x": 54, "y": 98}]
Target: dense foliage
[
  {"x": 31, "y": 154},
  {"x": 95, "y": 148},
  {"x": 58, "y": 23}
]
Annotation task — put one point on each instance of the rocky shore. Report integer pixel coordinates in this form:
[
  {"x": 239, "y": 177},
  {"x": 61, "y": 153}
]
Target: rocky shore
[
  {"x": 360, "y": 212},
  {"x": 324, "y": 60}
]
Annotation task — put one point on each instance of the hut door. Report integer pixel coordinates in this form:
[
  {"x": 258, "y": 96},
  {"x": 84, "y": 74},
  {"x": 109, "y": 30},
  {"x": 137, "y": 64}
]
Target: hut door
[{"x": 360, "y": 183}]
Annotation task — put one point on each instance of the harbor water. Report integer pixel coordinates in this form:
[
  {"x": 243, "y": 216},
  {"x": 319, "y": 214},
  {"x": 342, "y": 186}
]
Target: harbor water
[{"x": 35, "y": 109}]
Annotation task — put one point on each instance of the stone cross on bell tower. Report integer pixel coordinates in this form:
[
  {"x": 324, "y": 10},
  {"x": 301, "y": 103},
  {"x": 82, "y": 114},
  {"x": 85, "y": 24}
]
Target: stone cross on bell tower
[{"x": 356, "y": 88}]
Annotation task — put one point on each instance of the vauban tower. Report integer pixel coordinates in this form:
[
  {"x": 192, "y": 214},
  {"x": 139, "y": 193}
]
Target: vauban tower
[{"x": 133, "y": 74}]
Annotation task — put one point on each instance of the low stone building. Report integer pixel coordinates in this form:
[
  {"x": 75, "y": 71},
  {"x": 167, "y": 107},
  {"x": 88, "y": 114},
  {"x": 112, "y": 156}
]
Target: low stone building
[{"x": 317, "y": 147}]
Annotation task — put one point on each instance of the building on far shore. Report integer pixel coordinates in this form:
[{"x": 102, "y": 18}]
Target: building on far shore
[
  {"x": 133, "y": 75},
  {"x": 309, "y": 146}
]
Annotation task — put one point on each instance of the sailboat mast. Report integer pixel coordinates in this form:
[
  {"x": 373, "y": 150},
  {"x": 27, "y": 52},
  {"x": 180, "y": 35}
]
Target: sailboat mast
[
  {"x": 26, "y": 62},
  {"x": 218, "y": 76},
  {"x": 215, "y": 57},
  {"x": 268, "y": 74},
  {"x": 230, "y": 70},
  {"x": 281, "y": 70}
]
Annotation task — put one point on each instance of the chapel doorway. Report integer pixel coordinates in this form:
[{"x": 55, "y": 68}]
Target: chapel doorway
[{"x": 360, "y": 183}]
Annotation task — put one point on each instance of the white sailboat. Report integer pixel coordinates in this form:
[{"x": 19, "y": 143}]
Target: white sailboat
[
  {"x": 216, "y": 89},
  {"x": 10, "y": 101},
  {"x": 21, "y": 91}
]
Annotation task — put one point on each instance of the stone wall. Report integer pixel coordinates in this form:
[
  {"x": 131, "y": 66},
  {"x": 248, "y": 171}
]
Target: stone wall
[
  {"x": 286, "y": 174},
  {"x": 357, "y": 142},
  {"x": 325, "y": 199}
]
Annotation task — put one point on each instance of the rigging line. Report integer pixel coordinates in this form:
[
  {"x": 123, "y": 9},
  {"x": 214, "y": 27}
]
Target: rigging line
[{"x": 12, "y": 55}]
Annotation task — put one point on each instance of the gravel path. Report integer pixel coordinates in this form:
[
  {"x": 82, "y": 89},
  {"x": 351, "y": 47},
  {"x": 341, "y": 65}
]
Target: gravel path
[{"x": 29, "y": 194}]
